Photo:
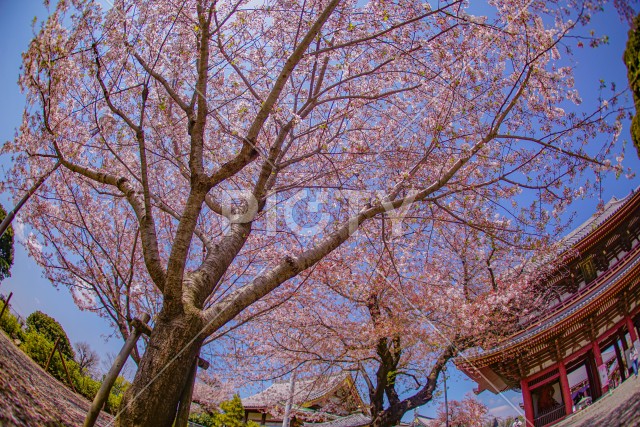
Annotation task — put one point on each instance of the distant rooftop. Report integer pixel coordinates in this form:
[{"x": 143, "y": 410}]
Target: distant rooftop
[
  {"x": 353, "y": 420},
  {"x": 423, "y": 420},
  {"x": 305, "y": 390}
]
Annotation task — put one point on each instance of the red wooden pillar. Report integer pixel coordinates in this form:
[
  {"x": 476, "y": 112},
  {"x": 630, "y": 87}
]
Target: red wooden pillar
[
  {"x": 528, "y": 403},
  {"x": 632, "y": 329},
  {"x": 564, "y": 387},
  {"x": 598, "y": 357},
  {"x": 623, "y": 374}
]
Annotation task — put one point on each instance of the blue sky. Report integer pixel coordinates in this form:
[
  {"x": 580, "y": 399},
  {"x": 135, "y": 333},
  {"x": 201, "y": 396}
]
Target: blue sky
[{"x": 33, "y": 292}]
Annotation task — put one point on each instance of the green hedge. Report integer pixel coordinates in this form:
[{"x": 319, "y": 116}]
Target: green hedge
[
  {"x": 10, "y": 324},
  {"x": 52, "y": 330},
  {"x": 231, "y": 415}
]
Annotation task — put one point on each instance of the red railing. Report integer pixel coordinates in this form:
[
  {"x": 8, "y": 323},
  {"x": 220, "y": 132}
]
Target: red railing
[{"x": 549, "y": 417}]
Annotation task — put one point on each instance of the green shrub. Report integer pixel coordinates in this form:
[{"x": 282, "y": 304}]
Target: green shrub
[
  {"x": 51, "y": 330},
  {"x": 10, "y": 324},
  {"x": 6, "y": 248},
  {"x": 113, "y": 403},
  {"x": 115, "y": 396},
  {"x": 38, "y": 348},
  {"x": 232, "y": 415},
  {"x": 86, "y": 386},
  {"x": 205, "y": 420},
  {"x": 37, "y": 343}
]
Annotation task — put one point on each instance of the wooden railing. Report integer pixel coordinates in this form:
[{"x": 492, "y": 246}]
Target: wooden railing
[
  {"x": 549, "y": 417},
  {"x": 620, "y": 265},
  {"x": 605, "y": 275}
]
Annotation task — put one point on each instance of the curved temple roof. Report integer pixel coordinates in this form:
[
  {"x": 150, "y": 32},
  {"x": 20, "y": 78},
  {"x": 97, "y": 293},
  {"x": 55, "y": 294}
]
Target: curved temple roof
[
  {"x": 584, "y": 236},
  {"x": 567, "y": 312},
  {"x": 306, "y": 390},
  {"x": 353, "y": 420},
  {"x": 595, "y": 221}
]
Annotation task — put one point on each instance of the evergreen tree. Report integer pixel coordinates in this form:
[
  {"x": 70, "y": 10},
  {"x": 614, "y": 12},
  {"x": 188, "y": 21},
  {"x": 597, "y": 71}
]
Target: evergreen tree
[
  {"x": 231, "y": 415},
  {"x": 632, "y": 61},
  {"x": 50, "y": 328},
  {"x": 6, "y": 248}
]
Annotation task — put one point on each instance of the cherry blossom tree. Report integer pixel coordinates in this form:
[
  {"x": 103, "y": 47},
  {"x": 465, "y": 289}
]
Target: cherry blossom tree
[
  {"x": 251, "y": 140},
  {"x": 95, "y": 252},
  {"x": 210, "y": 391},
  {"x": 395, "y": 320},
  {"x": 468, "y": 412}
]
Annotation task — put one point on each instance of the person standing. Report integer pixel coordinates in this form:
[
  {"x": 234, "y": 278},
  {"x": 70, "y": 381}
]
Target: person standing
[{"x": 634, "y": 360}]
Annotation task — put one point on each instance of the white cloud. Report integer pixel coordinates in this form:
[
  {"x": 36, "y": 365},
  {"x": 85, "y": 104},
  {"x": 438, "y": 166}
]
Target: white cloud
[
  {"x": 18, "y": 229},
  {"x": 33, "y": 243},
  {"x": 503, "y": 411}
]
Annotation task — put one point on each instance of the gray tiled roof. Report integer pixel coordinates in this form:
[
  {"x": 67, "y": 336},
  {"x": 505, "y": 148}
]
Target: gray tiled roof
[
  {"x": 569, "y": 311},
  {"x": 353, "y": 420},
  {"x": 307, "y": 389},
  {"x": 583, "y": 230},
  {"x": 594, "y": 221},
  {"x": 422, "y": 420}
]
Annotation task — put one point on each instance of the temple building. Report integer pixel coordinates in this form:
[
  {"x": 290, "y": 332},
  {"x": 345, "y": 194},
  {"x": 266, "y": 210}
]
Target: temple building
[
  {"x": 568, "y": 355},
  {"x": 328, "y": 401}
]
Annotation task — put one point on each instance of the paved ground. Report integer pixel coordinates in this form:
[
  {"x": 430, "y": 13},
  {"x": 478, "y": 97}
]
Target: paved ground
[
  {"x": 619, "y": 409},
  {"x": 30, "y": 397}
]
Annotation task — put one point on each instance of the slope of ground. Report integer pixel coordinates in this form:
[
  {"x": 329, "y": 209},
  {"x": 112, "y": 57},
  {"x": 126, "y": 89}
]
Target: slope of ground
[
  {"x": 30, "y": 397},
  {"x": 621, "y": 408}
]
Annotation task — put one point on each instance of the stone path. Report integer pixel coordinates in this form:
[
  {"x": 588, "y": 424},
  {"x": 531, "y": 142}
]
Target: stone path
[
  {"x": 30, "y": 397},
  {"x": 621, "y": 408}
]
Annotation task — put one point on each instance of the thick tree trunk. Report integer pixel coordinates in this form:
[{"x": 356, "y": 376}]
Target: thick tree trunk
[
  {"x": 153, "y": 398},
  {"x": 394, "y": 413},
  {"x": 387, "y": 418}
]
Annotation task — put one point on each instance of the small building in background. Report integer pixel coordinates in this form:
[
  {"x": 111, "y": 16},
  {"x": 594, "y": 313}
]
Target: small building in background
[
  {"x": 354, "y": 420},
  {"x": 423, "y": 421},
  {"x": 318, "y": 401}
]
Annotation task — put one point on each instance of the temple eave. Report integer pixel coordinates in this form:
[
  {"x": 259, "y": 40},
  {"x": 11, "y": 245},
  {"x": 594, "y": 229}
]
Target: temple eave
[{"x": 576, "y": 349}]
